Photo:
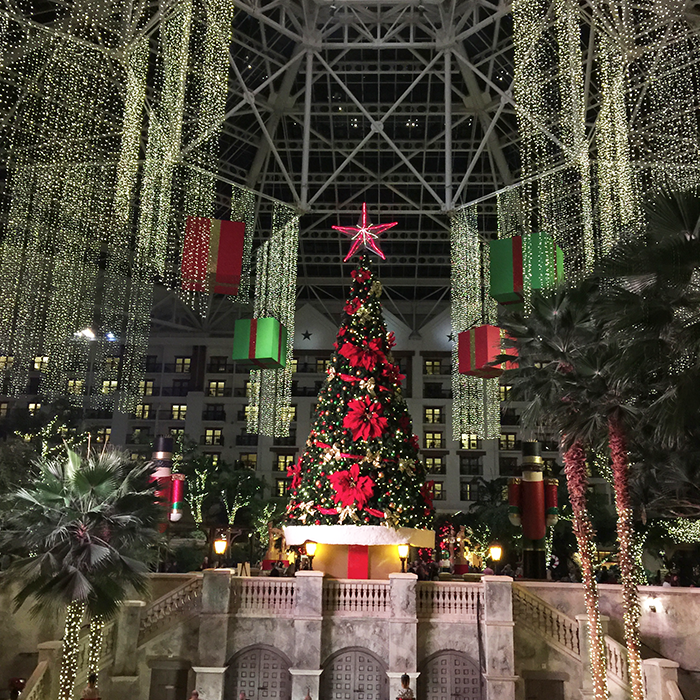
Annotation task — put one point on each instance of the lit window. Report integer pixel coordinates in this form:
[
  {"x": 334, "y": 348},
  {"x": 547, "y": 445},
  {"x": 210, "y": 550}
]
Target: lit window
[
  {"x": 322, "y": 365},
  {"x": 432, "y": 367},
  {"x": 112, "y": 363},
  {"x": 76, "y": 386},
  {"x": 504, "y": 391},
  {"x": 433, "y": 440},
  {"x": 468, "y": 491},
  {"x": 178, "y": 411},
  {"x": 109, "y": 386},
  {"x": 103, "y": 434},
  {"x": 248, "y": 389},
  {"x": 291, "y": 412},
  {"x": 433, "y": 415},
  {"x": 217, "y": 388},
  {"x": 294, "y": 364},
  {"x": 507, "y": 441},
  {"x": 438, "y": 491},
  {"x": 146, "y": 387},
  {"x": 177, "y": 432},
  {"x": 283, "y": 462},
  {"x": 281, "y": 487},
  {"x": 33, "y": 408},
  {"x": 250, "y": 460},
  {"x": 215, "y": 458},
  {"x": 4, "y": 407},
  {"x": 6, "y": 361},
  {"x": 182, "y": 364},
  {"x": 470, "y": 442},
  {"x": 213, "y": 436},
  {"x": 435, "y": 465},
  {"x": 471, "y": 466},
  {"x": 143, "y": 411},
  {"x": 41, "y": 362}
]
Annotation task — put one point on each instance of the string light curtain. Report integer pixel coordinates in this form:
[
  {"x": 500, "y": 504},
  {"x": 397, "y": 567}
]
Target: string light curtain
[
  {"x": 67, "y": 118},
  {"x": 270, "y": 402},
  {"x": 548, "y": 87},
  {"x": 475, "y": 401}
]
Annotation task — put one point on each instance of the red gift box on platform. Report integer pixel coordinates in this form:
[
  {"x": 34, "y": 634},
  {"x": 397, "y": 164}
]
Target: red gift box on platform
[
  {"x": 480, "y": 346},
  {"x": 212, "y": 258}
]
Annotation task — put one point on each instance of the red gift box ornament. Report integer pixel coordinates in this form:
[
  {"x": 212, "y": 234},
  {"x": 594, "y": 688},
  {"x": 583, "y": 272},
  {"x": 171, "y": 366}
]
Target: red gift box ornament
[
  {"x": 212, "y": 257},
  {"x": 478, "y": 348}
]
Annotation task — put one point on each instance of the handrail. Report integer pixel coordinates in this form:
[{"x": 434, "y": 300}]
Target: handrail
[
  {"x": 357, "y": 598},
  {"x": 181, "y": 601},
  {"x": 537, "y": 614},
  {"x": 448, "y": 600},
  {"x": 253, "y": 596},
  {"x": 36, "y": 687},
  {"x": 616, "y": 655}
]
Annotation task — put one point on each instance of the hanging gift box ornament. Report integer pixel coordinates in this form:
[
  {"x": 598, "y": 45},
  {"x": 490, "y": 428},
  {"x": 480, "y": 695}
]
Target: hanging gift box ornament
[
  {"x": 480, "y": 346},
  {"x": 507, "y": 260},
  {"x": 260, "y": 342},
  {"x": 212, "y": 257}
]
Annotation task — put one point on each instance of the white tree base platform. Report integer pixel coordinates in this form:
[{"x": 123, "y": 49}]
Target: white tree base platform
[{"x": 296, "y": 535}]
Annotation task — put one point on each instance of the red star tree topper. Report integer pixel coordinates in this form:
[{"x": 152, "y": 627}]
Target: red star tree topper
[
  {"x": 361, "y": 464},
  {"x": 365, "y": 234}
]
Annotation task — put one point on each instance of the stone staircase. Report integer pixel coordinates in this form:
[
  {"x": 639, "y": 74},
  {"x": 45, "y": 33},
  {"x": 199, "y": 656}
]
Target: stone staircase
[{"x": 565, "y": 635}]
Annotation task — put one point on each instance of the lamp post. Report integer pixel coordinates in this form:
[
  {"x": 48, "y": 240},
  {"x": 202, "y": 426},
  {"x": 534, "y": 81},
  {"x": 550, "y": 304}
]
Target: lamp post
[
  {"x": 220, "y": 545},
  {"x": 403, "y": 555},
  {"x": 495, "y": 553},
  {"x": 310, "y": 549}
]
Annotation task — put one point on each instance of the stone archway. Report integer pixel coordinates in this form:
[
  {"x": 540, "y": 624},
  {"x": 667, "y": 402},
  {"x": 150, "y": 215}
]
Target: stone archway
[
  {"x": 261, "y": 672},
  {"x": 450, "y": 675},
  {"x": 354, "y": 674}
]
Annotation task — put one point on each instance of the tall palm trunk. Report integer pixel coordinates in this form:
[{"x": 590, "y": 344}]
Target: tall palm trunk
[
  {"x": 69, "y": 654},
  {"x": 577, "y": 482},
  {"x": 95, "y": 648},
  {"x": 625, "y": 535}
]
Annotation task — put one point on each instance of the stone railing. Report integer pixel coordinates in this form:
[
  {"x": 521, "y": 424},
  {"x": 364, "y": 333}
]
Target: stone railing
[
  {"x": 616, "y": 654},
  {"x": 449, "y": 601},
  {"x": 181, "y": 602},
  {"x": 37, "y": 687},
  {"x": 557, "y": 628},
  {"x": 345, "y": 597},
  {"x": 262, "y": 596}
]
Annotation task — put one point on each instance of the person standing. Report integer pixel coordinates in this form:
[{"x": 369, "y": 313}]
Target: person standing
[
  {"x": 405, "y": 693},
  {"x": 90, "y": 692}
]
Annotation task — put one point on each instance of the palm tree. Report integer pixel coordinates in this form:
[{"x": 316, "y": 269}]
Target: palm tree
[
  {"x": 84, "y": 532},
  {"x": 554, "y": 343}
]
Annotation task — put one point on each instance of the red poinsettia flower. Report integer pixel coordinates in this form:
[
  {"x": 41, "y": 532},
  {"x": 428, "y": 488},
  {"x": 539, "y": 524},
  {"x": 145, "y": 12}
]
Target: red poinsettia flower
[
  {"x": 365, "y": 355},
  {"x": 392, "y": 373},
  {"x": 360, "y": 275},
  {"x": 391, "y": 339},
  {"x": 352, "y": 306},
  {"x": 404, "y": 422},
  {"x": 427, "y": 492},
  {"x": 294, "y": 470},
  {"x": 365, "y": 419},
  {"x": 351, "y": 488},
  {"x": 415, "y": 444}
]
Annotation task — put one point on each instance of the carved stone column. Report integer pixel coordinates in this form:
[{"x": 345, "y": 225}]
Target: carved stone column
[
  {"x": 403, "y": 630},
  {"x": 308, "y": 623},
  {"x": 498, "y": 638},
  {"x": 213, "y": 634}
]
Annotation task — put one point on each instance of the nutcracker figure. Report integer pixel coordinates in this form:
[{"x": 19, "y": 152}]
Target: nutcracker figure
[
  {"x": 162, "y": 460},
  {"x": 532, "y": 505}
]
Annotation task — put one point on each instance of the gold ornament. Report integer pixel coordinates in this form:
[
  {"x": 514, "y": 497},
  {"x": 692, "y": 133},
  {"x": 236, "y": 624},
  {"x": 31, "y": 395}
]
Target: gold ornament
[
  {"x": 372, "y": 458},
  {"x": 348, "y": 512},
  {"x": 368, "y": 385},
  {"x": 376, "y": 288},
  {"x": 391, "y": 519},
  {"x": 331, "y": 453},
  {"x": 362, "y": 313},
  {"x": 307, "y": 510},
  {"x": 407, "y": 465}
]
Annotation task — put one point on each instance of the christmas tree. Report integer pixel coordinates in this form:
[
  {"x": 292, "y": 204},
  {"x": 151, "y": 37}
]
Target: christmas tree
[{"x": 361, "y": 464}]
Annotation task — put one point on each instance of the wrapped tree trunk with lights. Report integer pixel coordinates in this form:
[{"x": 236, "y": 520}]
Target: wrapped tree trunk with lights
[{"x": 360, "y": 481}]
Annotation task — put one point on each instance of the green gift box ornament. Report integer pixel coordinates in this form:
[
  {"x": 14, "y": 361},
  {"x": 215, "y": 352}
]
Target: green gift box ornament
[
  {"x": 260, "y": 342},
  {"x": 507, "y": 265}
]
